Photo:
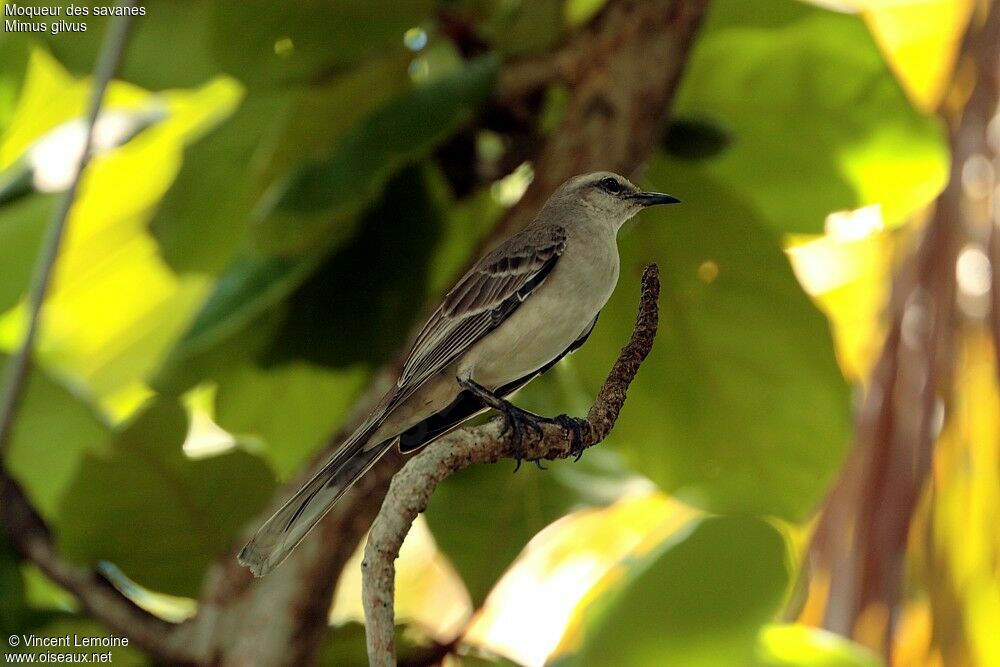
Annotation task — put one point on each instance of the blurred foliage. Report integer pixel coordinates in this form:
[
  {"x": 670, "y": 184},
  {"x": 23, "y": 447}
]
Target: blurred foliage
[{"x": 277, "y": 215}]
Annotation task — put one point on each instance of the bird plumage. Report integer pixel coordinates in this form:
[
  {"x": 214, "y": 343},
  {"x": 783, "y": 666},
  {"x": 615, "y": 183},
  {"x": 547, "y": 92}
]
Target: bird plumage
[{"x": 517, "y": 311}]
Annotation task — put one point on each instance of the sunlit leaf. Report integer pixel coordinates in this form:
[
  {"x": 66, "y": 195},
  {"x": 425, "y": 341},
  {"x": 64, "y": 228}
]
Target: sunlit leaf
[
  {"x": 528, "y": 610},
  {"x": 313, "y": 403},
  {"x": 700, "y": 598},
  {"x": 484, "y": 516},
  {"x": 819, "y": 122},
  {"x": 159, "y": 516},
  {"x": 802, "y": 646}
]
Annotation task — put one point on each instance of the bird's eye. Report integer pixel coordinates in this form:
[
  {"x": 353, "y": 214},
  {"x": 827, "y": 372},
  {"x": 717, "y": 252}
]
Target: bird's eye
[{"x": 610, "y": 185}]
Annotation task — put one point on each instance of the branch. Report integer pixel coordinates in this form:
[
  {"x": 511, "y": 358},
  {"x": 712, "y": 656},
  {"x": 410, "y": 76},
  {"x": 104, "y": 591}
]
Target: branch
[{"x": 411, "y": 488}]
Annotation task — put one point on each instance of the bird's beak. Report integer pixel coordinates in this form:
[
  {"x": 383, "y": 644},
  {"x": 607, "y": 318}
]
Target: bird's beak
[{"x": 654, "y": 198}]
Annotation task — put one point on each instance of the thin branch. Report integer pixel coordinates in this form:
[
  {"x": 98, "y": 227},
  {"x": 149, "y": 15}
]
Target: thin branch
[
  {"x": 20, "y": 364},
  {"x": 25, "y": 527},
  {"x": 411, "y": 488}
]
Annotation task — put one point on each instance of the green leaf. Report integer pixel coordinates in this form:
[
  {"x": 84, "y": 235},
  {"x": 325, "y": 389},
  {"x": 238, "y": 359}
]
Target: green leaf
[
  {"x": 52, "y": 433},
  {"x": 741, "y": 407},
  {"x": 346, "y": 647},
  {"x": 266, "y": 45},
  {"x": 159, "y": 516},
  {"x": 520, "y": 27},
  {"x": 700, "y": 598},
  {"x": 313, "y": 403},
  {"x": 201, "y": 223},
  {"x": 387, "y": 263},
  {"x": 802, "y": 646},
  {"x": 819, "y": 122},
  {"x": 238, "y": 315},
  {"x": 300, "y": 213}
]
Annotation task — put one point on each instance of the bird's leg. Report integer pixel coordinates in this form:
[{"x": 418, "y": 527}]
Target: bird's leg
[{"x": 515, "y": 420}]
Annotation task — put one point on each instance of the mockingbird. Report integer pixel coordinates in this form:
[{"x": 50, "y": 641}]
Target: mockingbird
[{"x": 518, "y": 311}]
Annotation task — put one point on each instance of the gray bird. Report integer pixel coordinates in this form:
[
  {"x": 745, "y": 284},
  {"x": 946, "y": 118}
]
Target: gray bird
[{"x": 525, "y": 305}]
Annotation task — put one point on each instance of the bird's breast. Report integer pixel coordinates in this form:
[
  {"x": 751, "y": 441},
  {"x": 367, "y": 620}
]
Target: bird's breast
[{"x": 551, "y": 318}]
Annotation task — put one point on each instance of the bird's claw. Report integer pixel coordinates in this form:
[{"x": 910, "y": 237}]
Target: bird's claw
[{"x": 515, "y": 422}]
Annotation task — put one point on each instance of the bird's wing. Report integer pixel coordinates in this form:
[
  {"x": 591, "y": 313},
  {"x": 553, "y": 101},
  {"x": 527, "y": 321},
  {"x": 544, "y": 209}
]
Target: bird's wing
[{"x": 481, "y": 301}]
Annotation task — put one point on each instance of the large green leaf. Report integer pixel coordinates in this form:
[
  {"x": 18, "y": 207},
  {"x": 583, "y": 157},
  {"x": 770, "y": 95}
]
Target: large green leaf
[
  {"x": 236, "y": 321},
  {"x": 299, "y": 213},
  {"x": 819, "y": 122},
  {"x": 314, "y": 402},
  {"x": 159, "y": 516},
  {"x": 13, "y": 607},
  {"x": 698, "y": 599},
  {"x": 53, "y": 431},
  {"x": 13, "y": 64},
  {"x": 263, "y": 44},
  {"x": 201, "y": 222},
  {"x": 381, "y": 274},
  {"x": 741, "y": 407}
]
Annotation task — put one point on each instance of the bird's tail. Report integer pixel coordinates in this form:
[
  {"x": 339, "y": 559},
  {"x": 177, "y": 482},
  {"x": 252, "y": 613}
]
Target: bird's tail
[{"x": 289, "y": 525}]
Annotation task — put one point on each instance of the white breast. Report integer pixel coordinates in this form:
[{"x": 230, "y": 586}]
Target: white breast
[{"x": 552, "y": 317}]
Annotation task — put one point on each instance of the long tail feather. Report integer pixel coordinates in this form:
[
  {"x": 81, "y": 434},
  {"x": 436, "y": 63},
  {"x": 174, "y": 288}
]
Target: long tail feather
[{"x": 289, "y": 525}]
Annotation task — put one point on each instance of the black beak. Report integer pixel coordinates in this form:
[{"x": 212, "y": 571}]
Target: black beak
[{"x": 654, "y": 198}]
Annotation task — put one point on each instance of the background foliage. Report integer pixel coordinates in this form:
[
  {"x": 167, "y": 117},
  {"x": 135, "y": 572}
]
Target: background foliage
[{"x": 273, "y": 213}]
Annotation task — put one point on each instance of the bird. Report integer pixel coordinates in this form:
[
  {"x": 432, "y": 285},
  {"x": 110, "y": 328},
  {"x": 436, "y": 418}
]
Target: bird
[{"x": 511, "y": 317}]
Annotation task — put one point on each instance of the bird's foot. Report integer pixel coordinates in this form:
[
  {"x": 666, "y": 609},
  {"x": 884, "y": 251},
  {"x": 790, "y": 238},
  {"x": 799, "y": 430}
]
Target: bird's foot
[{"x": 516, "y": 423}]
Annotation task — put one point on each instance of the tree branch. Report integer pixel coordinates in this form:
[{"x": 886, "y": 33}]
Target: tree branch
[{"x": 411, "y": 488}]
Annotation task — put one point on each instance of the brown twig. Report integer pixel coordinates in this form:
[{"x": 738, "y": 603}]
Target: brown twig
[{"x": 411, "y": 488}]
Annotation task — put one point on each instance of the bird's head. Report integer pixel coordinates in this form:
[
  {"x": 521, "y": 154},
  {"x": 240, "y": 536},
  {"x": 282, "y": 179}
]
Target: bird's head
[{"x": 611, "y": 197}]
